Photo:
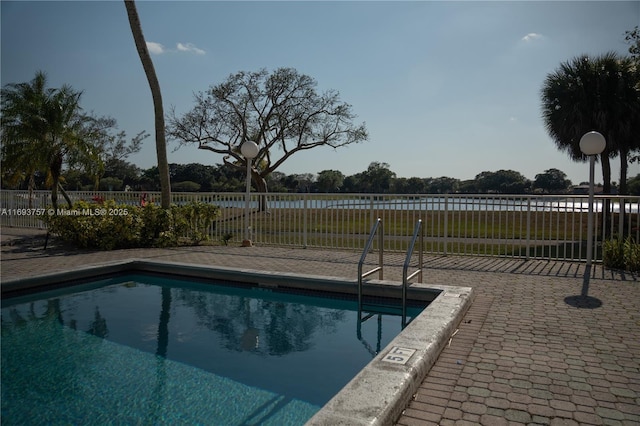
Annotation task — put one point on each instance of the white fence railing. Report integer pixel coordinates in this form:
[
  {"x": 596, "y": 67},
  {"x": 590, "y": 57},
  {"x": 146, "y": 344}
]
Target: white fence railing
[{"x": 551, "y": 227}]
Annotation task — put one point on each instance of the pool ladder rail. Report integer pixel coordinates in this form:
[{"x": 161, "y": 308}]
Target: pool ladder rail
[{"x": 377, "y": 229}]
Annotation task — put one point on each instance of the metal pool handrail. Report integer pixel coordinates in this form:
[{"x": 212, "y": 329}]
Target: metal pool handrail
[
  {"x": 417, "y": 232},
  {"x": 377, "y": 225}
]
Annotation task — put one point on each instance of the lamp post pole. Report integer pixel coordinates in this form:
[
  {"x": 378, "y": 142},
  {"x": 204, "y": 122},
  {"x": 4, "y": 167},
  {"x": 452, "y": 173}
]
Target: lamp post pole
[
  {"x": 591, "y": 144},
  {"x": 592, "y": 162},
  {"x": 249, "y": 151}
]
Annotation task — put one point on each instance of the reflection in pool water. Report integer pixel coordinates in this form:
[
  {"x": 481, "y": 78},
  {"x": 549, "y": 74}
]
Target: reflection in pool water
[{"x": 144, "y": 350}]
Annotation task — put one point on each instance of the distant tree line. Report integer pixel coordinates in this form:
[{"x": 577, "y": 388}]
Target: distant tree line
[{"x": 377, "y": 178}]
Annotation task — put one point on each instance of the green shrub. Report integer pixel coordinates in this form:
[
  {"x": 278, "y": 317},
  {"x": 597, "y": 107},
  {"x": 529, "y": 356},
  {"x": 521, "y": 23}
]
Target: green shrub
[
  {"x": 621, "y": 254},
  {"x": 198, "y": 218},
  {"x": 158, "y": 228},
  {"x": 108, "y": 226},
  {"x": 631, "y": 255},
  {"x": 88, "y": 225},
  {"x": 613, "y": 253}
]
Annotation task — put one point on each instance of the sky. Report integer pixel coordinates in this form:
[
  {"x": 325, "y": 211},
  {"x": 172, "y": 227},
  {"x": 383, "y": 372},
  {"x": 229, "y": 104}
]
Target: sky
[{"x": 445, "y": 88}]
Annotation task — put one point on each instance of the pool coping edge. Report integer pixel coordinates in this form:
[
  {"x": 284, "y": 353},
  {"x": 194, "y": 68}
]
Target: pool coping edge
[{"x": 368, "y": 399}]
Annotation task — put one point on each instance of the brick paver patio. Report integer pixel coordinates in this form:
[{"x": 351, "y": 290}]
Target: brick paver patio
[{"x": 522, "y": 354}]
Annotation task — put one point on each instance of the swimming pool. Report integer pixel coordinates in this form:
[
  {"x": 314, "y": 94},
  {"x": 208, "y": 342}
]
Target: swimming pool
[
  {"x": 279, "y": 349},
  {"x": 164, "y": 367}
]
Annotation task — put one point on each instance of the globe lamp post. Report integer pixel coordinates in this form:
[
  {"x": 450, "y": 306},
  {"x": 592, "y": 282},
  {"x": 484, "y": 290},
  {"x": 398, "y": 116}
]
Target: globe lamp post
[
  {"x": 591, "y": 144},
  {"x": 249, "y": 150}
]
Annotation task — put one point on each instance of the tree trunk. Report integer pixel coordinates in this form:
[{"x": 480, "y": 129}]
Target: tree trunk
[
  {"x": 54, "y": 197},
  {"x": 66, "y": 196},
  {"x": 154, "y": 85},
  {"x": 261, "y": 185},
  {"x": 55, "y": 168},
  {"x": 622, "y": 189},
  {"x": 32, "y": 184},
  {"x": 606, "y": 189},
  {"x": 624, "y": 167},
  {"x": 606, "y": 173}
]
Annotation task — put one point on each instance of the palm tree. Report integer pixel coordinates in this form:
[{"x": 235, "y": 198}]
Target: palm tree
[
  {"x": 41, "y": 128},
  {"x": 626, "y": 133},
  {"x": 598, "y": 93},
  {"x": 64, "y": 123},
  {"x": 149, "y": 70},
  {"x": 20, "y": 157}
]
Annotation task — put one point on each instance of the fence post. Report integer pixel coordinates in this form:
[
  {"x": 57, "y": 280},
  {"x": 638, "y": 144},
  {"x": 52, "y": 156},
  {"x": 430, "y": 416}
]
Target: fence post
[
  {"x": 446, "y": 222},
  {"x": 304, "y": 221},
  {"x": 371, "y": 205},
  {"x": 606, "y": 213},
  {"x": 12, "y": 200},
  {"x": 528, "y": 245},
  {"x": 621, "y": 216}
]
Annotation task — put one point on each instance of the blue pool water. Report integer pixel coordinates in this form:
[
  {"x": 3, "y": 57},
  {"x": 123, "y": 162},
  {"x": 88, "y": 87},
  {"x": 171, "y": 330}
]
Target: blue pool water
[{"x": 144, "y": 350}]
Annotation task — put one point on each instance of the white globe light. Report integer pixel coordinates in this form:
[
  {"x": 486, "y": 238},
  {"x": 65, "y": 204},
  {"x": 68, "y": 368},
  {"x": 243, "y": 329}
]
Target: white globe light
[
  {"x": 249, "y": 149},
  {"x": 592, "y": 143}
]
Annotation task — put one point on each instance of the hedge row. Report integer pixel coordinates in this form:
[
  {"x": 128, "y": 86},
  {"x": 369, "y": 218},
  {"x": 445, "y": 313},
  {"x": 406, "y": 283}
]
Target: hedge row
[{"x": 107, "y": 225}]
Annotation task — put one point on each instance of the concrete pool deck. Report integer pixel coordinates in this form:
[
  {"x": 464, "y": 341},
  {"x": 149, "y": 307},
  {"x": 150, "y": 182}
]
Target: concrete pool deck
[{"x": 523, "y": 353}]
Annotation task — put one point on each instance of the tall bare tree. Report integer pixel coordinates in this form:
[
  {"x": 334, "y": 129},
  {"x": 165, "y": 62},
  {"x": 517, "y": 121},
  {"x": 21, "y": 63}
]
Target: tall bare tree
[
  {"x": 281, "y": 111},
  {"x": 150, "y": 72}
]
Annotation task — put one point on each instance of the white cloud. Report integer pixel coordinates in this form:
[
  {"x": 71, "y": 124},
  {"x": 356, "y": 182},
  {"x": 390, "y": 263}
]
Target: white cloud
[
  {"x": 159, "y": 49},
  {"x": 155, "y": 48},
  {"x": 189, "y": 47},
  {"x": 531, "y": 36}
]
